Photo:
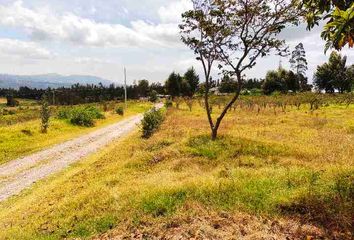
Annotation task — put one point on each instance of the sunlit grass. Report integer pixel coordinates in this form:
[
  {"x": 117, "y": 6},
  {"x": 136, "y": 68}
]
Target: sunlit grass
[
  {"x": 285, "y": 165},
  {"x": 24, "y": 138}
]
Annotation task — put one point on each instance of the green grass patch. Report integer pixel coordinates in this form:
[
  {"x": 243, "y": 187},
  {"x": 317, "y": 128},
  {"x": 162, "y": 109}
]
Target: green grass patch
[{"x": 232, "y": 147}]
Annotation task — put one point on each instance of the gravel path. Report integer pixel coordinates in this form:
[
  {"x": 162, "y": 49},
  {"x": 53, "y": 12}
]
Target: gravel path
[{"x": 22, "y": 173}]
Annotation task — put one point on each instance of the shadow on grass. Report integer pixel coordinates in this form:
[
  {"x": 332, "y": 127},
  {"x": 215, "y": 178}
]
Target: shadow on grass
[{"x": 333, "y": 209}]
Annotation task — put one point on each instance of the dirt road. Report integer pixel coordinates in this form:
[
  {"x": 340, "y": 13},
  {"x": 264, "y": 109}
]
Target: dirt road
[{"x": 22, "y": 173}]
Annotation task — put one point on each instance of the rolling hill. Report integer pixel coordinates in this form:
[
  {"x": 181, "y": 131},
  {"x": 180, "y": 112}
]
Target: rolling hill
[{"x": 48, "y": 80}]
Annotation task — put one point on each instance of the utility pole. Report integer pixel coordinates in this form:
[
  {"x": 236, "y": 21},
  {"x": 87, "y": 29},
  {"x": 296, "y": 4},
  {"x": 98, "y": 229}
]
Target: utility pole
[{"x": 125, "y": 87}]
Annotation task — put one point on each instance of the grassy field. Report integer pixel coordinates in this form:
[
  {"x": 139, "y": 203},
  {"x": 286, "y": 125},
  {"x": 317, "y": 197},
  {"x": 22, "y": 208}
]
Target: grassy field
[
  {"x": 269, "y": 174},
  {"x": 23, "y": 136}
]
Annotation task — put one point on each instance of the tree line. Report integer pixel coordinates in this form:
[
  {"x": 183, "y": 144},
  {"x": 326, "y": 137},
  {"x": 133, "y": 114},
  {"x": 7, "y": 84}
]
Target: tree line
[
  {"x": 333, "y": 76},
  {"x": 79, "y": 94}
]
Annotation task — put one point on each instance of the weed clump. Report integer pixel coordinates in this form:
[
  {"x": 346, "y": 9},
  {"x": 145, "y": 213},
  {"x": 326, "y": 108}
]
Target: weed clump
[{"x": 163, "y": 203}]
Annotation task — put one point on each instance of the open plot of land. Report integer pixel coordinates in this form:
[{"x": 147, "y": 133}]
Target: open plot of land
[
  {"x": 23, "y": 138},
  {"x": 269, "y": 175},
  {"x": 19, "y": 174}
]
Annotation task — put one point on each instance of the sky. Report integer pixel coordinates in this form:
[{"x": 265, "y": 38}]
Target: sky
[{"x": 101, "y": 37}]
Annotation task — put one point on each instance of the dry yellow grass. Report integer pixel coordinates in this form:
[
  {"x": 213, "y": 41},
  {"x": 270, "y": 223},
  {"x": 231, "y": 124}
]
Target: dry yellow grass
[{"x": 291, "y": 166}]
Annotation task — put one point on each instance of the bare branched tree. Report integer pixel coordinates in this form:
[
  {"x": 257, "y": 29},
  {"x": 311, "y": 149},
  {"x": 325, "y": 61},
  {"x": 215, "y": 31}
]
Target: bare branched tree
[{"x": 232, "y": 35}]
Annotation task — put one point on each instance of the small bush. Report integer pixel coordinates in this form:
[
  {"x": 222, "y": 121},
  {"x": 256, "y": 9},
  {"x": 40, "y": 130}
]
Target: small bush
[
  {"x": 168, "y": 103},
  {"x": 45, "y": 114},
  {"x": 120, "y": 111},
  {"x": 94, "y": 112},
  {"x": 153, "y": 96},
  {"x": 81, "y": 116},
  {"x": 11, "y": 102},
  {"x": 151, "y": 122},
  {"x": 64, "y": 113}
]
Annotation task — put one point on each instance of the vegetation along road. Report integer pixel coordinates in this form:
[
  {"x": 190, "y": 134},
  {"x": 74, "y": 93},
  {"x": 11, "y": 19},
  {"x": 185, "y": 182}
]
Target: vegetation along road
[{"x": 23, "y": 172}]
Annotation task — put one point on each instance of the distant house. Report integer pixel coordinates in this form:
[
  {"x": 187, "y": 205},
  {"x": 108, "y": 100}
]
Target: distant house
[
  {"x": 214, "y": 90},
  {"x": 163, "y": 96}
]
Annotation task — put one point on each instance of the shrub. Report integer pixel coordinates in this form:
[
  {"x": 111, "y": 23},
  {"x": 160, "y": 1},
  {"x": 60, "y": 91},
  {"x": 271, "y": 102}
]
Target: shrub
[
  {"x": 151, "y": 122},
  {"x": 120, "y": 111},
  {"x": 64, "y": 113},
  {"x": 153, "y": 96},
  {"x": 11, "y": 102},
  {"x": 81, "y": 116},
  {"x": 94, "y": 112},
  {"x": 45, "y": 114},
  {"x": 168, "y": 103}
]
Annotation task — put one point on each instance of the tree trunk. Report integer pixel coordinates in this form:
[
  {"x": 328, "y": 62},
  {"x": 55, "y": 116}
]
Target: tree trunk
[{"x": 214, "y": 134}]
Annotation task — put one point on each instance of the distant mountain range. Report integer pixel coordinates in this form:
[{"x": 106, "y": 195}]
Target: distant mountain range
[{"x": 48, "y": 80}]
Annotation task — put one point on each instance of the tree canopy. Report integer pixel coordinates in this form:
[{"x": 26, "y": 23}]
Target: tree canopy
[
  {"x": 233, "y": 35},
  {"x": 339, "y": 16},
  {"x": 334, "y": 75}
]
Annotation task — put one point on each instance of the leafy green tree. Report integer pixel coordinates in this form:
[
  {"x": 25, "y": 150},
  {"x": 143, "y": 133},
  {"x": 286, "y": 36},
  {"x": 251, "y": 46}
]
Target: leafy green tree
[
  {"x": 333, "y": 75},
  {"x": 158, "y": 87},
  {"x": 186, "y": 89},
  {"x": 274, "y": 82},
  {"x": 282, "y": 81},
  {"x": 323, "y": 78},
  {"x": 292, "y": 82},
  {"x": 192, "y": 79},
  {"x": 303, "y": 81},
  {"x": 233, "y": 35},
  {"x": 227, "y": 85},
  {"x": 339, "y": 14},
  {"x": 174, "y": 85},
  {"x": 253, "y": 83},
  {"x": 143, "y": 88}
]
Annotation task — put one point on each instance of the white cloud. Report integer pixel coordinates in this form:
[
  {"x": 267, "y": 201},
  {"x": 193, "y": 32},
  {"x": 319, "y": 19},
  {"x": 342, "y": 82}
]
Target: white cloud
[
  {"x": 25, "y": 50},
  {"x": 42, "y": 25},
  {"x": 164, "y": 33},
  {"x": 172, "y": 13},
  {"x": 90, "y": 60}
]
